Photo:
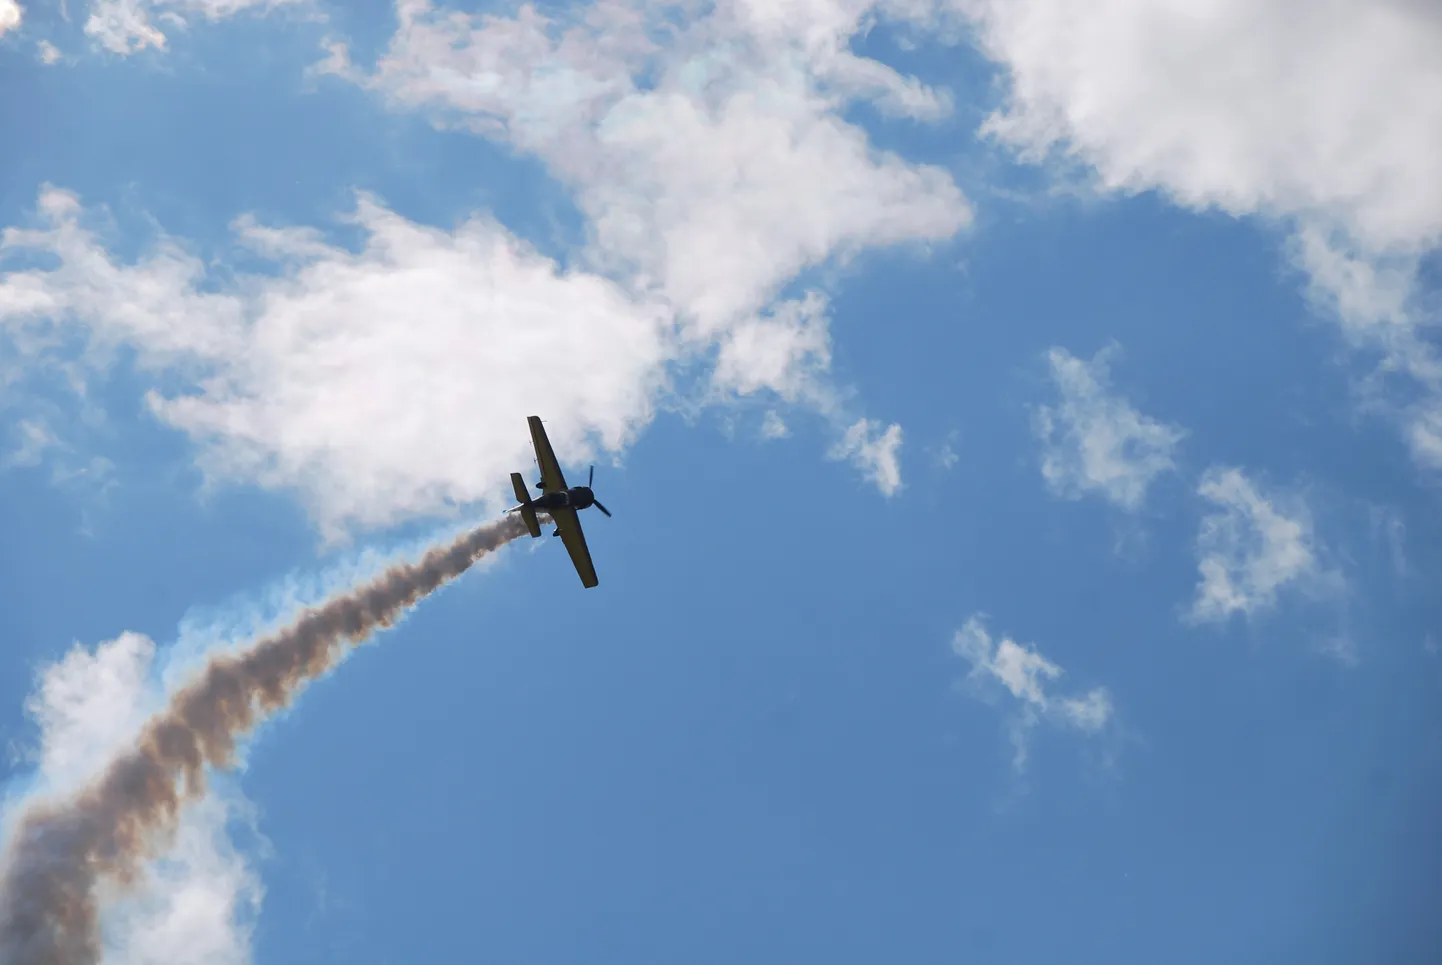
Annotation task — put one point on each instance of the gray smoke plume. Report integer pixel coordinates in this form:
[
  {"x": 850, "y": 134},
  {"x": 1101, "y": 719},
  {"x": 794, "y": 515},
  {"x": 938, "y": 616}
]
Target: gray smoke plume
[{"x": 59, "y": 851}]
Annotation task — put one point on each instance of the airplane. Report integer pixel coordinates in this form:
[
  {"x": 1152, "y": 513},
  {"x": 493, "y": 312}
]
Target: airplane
[{"x": 558, "y": 501}]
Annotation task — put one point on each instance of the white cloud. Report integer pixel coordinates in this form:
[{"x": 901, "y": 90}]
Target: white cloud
[
  {"x": 195, "y": 904},
  {"x": 1249, "y": 549},
  {"x": 774, "y": 427},
  {"x": 1089, "y": 713},
  {"x": 1290, "y": 107},
  {"x": 370, "y": 382},
  {"x": 380, "y": 384},
  {"x": 1027, "y": 675},
  {"x": 1327, "y": 115},
  {"x": 11, "y": 13},
  {"x": 1094, "y": 441},
  {"x": 875, "y": 452},
  {"x": 712, "y": 170},
  {"x": 199, "y": 901},
  {"x": 126, "y": 26},
  {"x": 388, "y": 383},
  {"x": 87, "y": 706},
  {"x": 786, "y": 351},
  {"x": 49, "y": 53}
]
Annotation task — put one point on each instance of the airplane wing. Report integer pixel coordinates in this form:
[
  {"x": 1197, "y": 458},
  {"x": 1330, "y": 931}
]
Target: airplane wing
[
  {"x": 569, "y": 524},
  {"x": 551, "y": 478}
]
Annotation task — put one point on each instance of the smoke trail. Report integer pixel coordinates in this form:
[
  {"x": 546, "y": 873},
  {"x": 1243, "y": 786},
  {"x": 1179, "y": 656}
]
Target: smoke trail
[{"x": 48, "y": 909}]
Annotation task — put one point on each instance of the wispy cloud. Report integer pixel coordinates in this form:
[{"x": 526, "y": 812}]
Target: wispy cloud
[
  {"x": 874, "y": 451},
  {"x": 945, "y": 454},
  {"x": 1094, "y": 441},
  {"x": 1022, "y": 672},
  {"x": 1253, "y": 546},
  {"x": 34, "y": 438},
  {"x": 773, "y": 426},
  {"x": 129, "y": 26},
  {"x": 34, "y": 443}
]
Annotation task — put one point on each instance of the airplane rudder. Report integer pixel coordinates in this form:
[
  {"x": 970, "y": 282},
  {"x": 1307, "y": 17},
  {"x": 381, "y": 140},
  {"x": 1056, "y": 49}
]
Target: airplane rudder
[{"x": 519, "y": 485}]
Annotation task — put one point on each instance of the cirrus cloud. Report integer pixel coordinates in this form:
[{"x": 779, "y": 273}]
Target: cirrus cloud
[
  {"x": 1094, "y": 441},
  {"x": 1251, "y": 547},
  {"x": 128, "y": 26},
  {"x": 1027, "y": 675}
]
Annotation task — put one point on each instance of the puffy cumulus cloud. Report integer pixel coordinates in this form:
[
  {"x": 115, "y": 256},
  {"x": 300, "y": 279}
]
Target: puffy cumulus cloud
[
  {"x": 128, "y": 26},
  {"x": 381, "y": 384},
  {"x": 711, "y": 159},
  {"x": 874, "y": 451},
  {"x": 1326, "y": 115},
  {"x": 88, "y": 705},
  {"x": 785, "y": 351},
  {"x": 1026, "y": 675},
  {"x": 707, "y": 151},
  {"x": 11, "y": 13},
  {"x": 1094, "y": 441},
  {"x": 1251, "y": 547},
  {"x": 1291, "y": 107},
  {"x": 197, "y": 902}
]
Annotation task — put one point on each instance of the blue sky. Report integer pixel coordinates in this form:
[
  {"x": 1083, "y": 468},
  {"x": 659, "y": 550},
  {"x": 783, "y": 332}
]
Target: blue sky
[{"x": 1023, "y": 427}]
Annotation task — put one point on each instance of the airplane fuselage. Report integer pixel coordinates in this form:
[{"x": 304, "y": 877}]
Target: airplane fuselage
[{"x": 577, "y": 497}]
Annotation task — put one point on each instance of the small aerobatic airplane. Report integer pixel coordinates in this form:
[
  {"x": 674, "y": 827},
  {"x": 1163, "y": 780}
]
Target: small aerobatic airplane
[{"x": 559, "y": 502}]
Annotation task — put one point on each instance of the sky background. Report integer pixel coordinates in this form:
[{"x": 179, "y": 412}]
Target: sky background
[{"x": 1022, "y": 420}]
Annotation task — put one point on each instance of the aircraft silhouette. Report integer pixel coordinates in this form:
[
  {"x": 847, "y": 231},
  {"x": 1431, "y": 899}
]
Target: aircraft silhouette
[{"x": 558, "y": 501}]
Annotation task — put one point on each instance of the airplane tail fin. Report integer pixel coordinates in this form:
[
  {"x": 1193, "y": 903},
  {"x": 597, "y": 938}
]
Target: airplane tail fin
[{"x": 527, "y": 512}]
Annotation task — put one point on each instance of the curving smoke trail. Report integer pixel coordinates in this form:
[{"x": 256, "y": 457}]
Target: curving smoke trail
[{"x": 49, "y": 914}]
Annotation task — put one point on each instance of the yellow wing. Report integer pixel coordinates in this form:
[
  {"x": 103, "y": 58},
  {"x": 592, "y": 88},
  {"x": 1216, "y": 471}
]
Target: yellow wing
[
  {"x": 551, "y": 478},
  {"x": 569, "y": 525}
]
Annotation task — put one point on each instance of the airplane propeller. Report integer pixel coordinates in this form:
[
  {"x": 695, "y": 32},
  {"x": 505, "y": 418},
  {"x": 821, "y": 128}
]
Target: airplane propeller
[{"x": 590, "y": 480}]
